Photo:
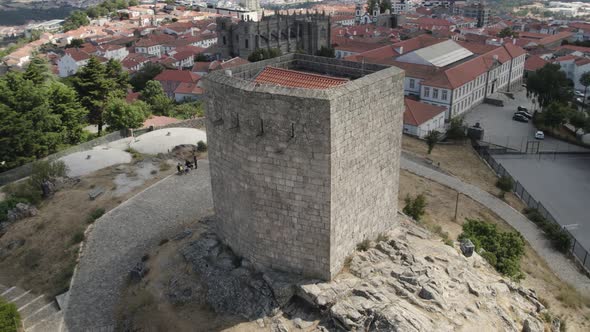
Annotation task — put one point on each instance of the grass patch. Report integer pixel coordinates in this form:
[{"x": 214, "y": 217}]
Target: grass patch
[
  {"x": 9, "y": 317},
  {"x": 62, "y": 280},
  {"x": 77, "y": 238},
  {"x": 382, "y": 237},
  {"x": 95, "y": 214},
  {"x": 136, "y": 155},
  {"x": 558, "y": 237},
  {"x": 570, "y": 298},
  {"x": 164, "y": 166}
]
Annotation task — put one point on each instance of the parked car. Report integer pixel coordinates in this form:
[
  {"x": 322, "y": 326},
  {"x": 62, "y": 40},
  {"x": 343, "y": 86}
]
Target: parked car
[
  {"x": 539, "y": 135},
  {"x": 580, "y": 100},
  {"x": 578, "y": 93},
  {"x": 525, "y": 114},
  {"x": 520, "y": 118},
  {"x": 522, "y": 109}
]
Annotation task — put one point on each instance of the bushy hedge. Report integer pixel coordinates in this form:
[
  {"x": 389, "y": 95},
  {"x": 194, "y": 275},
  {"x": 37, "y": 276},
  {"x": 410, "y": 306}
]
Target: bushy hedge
[
  {"x": 558, "y": 237},
  {"x": 9, "y": 317},
  {"x": 7, "y": 205},
  {"x": 502, "y": 250}
]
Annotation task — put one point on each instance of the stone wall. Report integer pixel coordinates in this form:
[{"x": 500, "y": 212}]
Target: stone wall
[
  {"x": 300, "y": 176},
  {"x": 366, "y": 131}
]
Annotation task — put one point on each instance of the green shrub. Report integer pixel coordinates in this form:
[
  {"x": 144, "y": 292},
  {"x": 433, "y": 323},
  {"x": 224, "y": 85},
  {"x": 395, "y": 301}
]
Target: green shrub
[
  {"x": 560, "y": 240},
  {"x": 505, "y": 184},
  {"x": 9, "y": 317},
  {"x": 44, "y": 170},
  {"x": 490, "y": 257},
  {"x": 416, "y": 207},
  {"x": 9, "y": 204},
  {"x": 95, "y": 214},
  {"x": 507, "y": 247},
  {"x": 201, "y": 146},
  {"x": 457, "y": 129},
  {"x": 77, "y": 237},
  {"x": 136, "y": 155},
  {"x": 25, "y": 191},
  {"x": 364, "y": 245}
]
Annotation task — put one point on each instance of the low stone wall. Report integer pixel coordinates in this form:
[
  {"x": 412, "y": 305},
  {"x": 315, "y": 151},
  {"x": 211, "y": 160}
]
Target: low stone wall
[{"x": 23, "y": 171}]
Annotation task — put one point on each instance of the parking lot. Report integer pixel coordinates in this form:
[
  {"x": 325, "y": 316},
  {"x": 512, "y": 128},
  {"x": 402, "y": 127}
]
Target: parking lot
[
  {"x": 561, "y": 183},
  {"x": 500, "y": 129}
]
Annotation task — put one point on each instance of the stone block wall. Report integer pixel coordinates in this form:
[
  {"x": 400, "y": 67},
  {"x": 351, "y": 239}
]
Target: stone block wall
[
  {"x": 366, "y": 131},
  {"x": 300, "y": 176}
]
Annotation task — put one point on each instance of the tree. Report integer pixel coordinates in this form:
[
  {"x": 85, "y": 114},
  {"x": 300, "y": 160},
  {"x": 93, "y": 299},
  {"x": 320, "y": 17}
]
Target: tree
[
  {"x": 201, "y": 58},
  {"x": 121, "y": 115},
  {"x": 37, "y": 71},
  {"x": 188, "y": 110},
  {"x": 76, "y": 19},
  {"x": 133, "y": 3},
  {"x": 457, "y": 128},
  {"x": 93, "y": 89},
  {"x": 585, "y": 81},
  {"x": 146, "y": 73},
  {"x": 555, "y": 115},
  {"x": 75, "y": 43},
  {"x": 577, "y": 119},
  {"x": 114, "y": 70},
  {"x": 549, "y": 84},
  {"x": 154, "y": 95},
  {"x": 263, "y": 53},
  {"x": 328, "y": 52},
  {"x": 507, "y": 32},
  {"x": 431, "y": 139}
]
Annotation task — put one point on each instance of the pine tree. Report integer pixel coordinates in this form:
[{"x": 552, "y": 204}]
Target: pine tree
[{"x": 93, "y": 89}]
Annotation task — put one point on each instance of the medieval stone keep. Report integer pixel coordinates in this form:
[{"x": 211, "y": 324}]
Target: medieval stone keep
[
  {"x": 306, "y": 33},
  {"x": 304, "y": 157}
]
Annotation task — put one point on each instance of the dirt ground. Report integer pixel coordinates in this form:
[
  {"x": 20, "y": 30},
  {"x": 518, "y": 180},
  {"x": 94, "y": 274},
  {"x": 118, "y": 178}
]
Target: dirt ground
[
  {"x": 46, "y": 260},
  {"x": 562, "y": 299},
  {"x": 462, "y": 161}
]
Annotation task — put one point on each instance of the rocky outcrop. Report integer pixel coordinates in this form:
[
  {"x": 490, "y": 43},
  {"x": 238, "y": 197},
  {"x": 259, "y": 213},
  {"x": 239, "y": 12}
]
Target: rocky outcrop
[
  {"x": 21, "y": 211},
  {"x": 410, "y": 282}
]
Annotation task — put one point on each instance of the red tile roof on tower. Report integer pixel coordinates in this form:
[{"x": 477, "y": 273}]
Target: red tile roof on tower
[
  {"x": 417, "y": 113},
  {"x": 297, "y": 79},
  {"x": 177, "y": 76},
  {"x": 533, "y": 63}
]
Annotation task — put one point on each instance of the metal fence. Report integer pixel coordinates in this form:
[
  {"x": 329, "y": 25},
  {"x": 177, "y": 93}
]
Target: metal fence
[{"x": 577, "y": 250}]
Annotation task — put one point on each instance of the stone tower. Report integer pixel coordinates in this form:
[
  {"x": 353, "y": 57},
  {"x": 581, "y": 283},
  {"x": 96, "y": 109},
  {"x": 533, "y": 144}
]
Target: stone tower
[
  {"x": 304, "y": 157},
  {"x": 253, "y": 5}
]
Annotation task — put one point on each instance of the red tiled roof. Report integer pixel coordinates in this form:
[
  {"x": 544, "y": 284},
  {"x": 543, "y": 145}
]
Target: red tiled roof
[
  {"x": 533, "y": 63},
  {"x": 417, "y": 113},
  {"x": 233, "y": 62},
  {"x": 189, "y": 88},
  {"x": 566, "y": 58},
  {"x": 177, "y": 76},
  {"x": 78, "y": 55},
  {"x": 356, "y": 46},
  {"x": 183, "y": 55},
  {"x": 297, "y": 79},
  {"x": 575, "y": 48},
  {"x": 132, "y": 96},
  {"x": 158, "y": 121},
  {"x": 201, "y": 67}
]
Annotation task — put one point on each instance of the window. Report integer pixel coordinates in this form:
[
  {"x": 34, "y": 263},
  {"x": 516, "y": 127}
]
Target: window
[
  {"x": 412, "y": 83},
  {"x": 224, "y": 41},
  {"x": 444, "y": 94},
  {"x": 426, "y": 92},
  {"x": 246, "y": 43},
  {"x": 435, "y": 93}
]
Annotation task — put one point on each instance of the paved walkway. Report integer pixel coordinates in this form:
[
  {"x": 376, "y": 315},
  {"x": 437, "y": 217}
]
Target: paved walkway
[
  {"x": 564, "y": 268},
  {"x": 121, "y": 237}
]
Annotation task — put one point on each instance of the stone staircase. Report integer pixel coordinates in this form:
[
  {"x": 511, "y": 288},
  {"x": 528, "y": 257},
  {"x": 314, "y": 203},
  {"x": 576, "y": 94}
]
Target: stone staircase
[{"x": 38, "y": 314}]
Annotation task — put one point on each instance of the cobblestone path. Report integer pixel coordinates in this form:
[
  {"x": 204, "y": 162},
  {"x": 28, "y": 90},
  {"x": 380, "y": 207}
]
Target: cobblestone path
[{"x": 122, "y": 236}]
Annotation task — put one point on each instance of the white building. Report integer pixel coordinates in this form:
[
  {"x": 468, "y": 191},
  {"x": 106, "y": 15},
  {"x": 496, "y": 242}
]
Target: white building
[
  {"x": 71, "y": 62},
  {"x": 116, "y": 52},
  {"x": 457, "y": 76},
  {"x": 574, "y": 67},
  {"x": 421, "y": 118}
]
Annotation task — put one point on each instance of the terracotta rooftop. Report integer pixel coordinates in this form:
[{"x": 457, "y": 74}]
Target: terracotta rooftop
[
  {"x": 177, "y": 76},
  {"x": 233, "y": 62},
  {"x": 417, "y": 113},
  {"x": 297, "y": 79},
  {"x": 533, "y": 63},
  {"x": 189, "y": 88}
]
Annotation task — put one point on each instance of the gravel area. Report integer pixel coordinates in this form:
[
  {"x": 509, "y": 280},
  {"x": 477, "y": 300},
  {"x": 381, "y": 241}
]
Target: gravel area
[
  {"x": 122, "y": 236},
  {"x": 562, "y": 267}
]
